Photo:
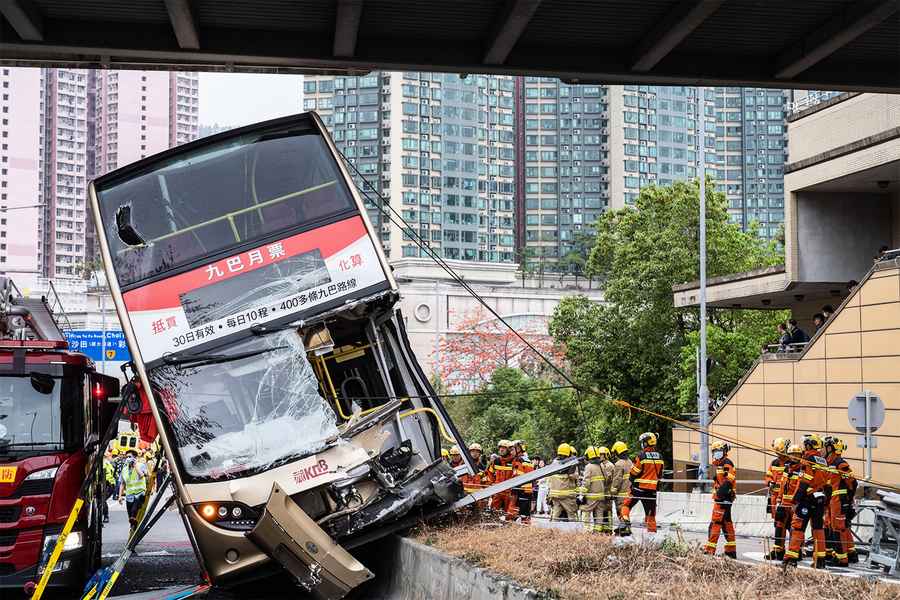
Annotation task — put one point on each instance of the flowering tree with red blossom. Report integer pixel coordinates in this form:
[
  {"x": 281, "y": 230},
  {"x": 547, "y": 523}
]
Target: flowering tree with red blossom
[{"x": 467, "y": 357}]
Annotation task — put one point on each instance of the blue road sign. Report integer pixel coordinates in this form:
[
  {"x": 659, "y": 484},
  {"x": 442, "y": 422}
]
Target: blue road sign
[{"x": 90, "y": 342}]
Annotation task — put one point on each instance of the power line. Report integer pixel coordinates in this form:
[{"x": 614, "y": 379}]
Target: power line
[{"x": 398, "y": 220}]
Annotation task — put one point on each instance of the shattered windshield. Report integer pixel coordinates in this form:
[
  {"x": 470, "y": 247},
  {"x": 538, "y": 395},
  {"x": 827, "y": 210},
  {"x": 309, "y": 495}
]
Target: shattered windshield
[{"x": 231, "y": 416}]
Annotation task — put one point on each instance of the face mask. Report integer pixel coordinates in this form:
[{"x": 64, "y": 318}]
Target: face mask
[{"x": 718, "y": 455}]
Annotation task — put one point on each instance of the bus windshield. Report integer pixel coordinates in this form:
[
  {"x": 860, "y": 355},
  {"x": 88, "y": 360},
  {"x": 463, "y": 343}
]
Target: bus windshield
[
  {"x": 232, "y": 416},
  {"x": 219, "y": 196}
]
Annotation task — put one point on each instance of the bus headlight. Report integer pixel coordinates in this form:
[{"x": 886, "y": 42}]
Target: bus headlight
[{"x": 228, "y": 515}]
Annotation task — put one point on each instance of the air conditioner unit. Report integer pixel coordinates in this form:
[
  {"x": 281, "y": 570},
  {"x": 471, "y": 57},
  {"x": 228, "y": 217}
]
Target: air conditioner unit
[
  {"x": 604, "y": 178},
  {"x": 605, "y": 131},
  {"x": 604, "y": 147}
]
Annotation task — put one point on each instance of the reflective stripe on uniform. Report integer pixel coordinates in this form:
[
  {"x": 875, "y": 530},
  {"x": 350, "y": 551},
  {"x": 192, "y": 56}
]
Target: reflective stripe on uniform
[
  {"x": 651, "y": 481},
  {"x": 791, "y": 554},
  {"x": 501, "y": 468},
  {"x": 838, "y": 492}
]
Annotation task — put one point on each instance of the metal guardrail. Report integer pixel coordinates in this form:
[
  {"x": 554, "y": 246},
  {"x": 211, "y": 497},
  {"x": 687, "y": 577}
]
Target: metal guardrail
[{"x": 57, "y": 310}]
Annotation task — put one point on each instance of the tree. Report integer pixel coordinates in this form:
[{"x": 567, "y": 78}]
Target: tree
[
  {"x": 468, "y": 357},
  {"x": 631, "y": 347},
  {"x": 516, "y": 406}
]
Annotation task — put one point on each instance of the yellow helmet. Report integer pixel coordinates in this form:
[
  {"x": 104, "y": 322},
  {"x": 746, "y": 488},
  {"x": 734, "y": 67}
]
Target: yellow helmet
[
  {"x": 648, "y": 438},
  {"x": 603, "y": 451},
  {"x": 444, "y": 453},
  {"x": 564, "y": 450},
  {"x": 719, "y": 445},
  {"x": 620, "y": 448},
  {"x": 454, "y": 451},
  {"x": 475, "y": 446},
  {"x": 795, "y": 450},
  {"x": 520, "y": 444},
  {"x": 590, "y": 453},
  {"x": 504, "y": 444},
  {"x": 837, "y": 444},
  {"x": 780, "y": 445},
  {"x": 812, "y": 441}
]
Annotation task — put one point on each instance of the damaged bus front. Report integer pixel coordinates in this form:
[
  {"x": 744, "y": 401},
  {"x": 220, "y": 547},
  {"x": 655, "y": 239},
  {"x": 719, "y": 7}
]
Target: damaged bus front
[{"x": 261, "y": 313}]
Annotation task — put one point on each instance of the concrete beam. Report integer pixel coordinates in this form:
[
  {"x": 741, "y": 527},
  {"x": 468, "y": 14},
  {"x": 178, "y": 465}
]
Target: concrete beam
[
  {"x": 509, "y": 29},
  {"x": 25, "y": 19},
  {"x": 346, "y": 27},
  {"x": 183, "y": 23},
  {"x": 842, "y": 29},
  {"x": 683, "y": 19}
]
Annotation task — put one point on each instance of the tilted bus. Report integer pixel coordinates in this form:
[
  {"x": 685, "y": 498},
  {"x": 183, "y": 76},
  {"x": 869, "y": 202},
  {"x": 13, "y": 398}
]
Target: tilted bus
[{"x": 260, "y": 312}]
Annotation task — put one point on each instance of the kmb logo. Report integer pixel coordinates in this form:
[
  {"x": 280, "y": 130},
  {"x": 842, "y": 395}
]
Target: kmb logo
[{"x": 317, "y": 470}]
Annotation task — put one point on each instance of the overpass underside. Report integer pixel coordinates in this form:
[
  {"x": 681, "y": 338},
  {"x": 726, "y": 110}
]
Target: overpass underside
[{"x": 827, "y": 44}]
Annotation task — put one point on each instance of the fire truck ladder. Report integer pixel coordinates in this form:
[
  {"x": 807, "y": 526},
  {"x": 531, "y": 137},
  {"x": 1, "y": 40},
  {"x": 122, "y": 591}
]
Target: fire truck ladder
[{"x": 45, "y": 320}]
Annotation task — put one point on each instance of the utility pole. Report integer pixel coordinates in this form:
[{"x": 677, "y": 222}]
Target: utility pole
[{"x": 703, "y": 393}]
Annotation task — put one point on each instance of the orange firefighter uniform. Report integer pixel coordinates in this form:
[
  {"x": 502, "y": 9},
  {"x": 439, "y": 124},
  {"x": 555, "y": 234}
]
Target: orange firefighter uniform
[
  {"x": 809, "y": 504},
  {"x": 498, "y": 471},
  {"x": 644, "y": 477},
  {"x": 525, "y": 493},
  {"x": 723, "y": 499},
  {"x": 775, "y": 482},
  {"x": 843, "y": 488}
]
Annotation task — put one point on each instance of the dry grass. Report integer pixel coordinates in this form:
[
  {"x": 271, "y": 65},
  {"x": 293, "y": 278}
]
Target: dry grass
[{"x": 582, "y": 566}]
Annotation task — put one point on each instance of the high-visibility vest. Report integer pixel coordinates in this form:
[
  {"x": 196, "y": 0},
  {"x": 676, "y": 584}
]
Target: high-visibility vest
[
  {"x": 135, "y": 482},
  {"x": 109, "y": 472}
]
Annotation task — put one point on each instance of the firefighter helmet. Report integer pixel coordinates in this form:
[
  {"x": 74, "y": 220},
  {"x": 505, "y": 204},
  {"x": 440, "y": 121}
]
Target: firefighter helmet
[
  {"x": 590, "y": 453},
  {"x": 620, "y": 448},
  {"x": 836, "y": 443},
  {"x": 812, "y": 441},
  {"x": 504, "y": 444},
  {"x": 603, "y": 451},
  {"x": 647, "y": 438},
  {"x": 454, "y": 451},
  {"x": 780, "y": 445},
  {"x": 720, "y": 445},
  {"x": 475, "y": 446},
  {"x": 795, "y": 450},
  {"x": 444, "y": 453},
  {"x": 520, "y": 444},
  {"x": 564, "y": 450}
]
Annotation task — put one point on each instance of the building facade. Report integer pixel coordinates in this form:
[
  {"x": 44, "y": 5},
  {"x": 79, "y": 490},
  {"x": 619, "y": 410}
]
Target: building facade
[
  {"x": 842, "y": 208},
  {"x": 438, "y": 147},
  {"x": 63, "y": 127}
]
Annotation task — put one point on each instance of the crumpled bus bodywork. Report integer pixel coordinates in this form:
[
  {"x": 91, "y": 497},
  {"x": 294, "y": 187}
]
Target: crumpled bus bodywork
[{"x": 260, "y": 311}]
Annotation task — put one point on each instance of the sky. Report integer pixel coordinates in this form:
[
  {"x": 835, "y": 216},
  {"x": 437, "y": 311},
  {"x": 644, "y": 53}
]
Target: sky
[{"x": 240, "y": 99}]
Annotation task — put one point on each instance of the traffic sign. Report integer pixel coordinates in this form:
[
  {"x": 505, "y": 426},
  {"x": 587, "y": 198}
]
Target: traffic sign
[
  {"x": 90, "y": 342},
  {"x": 856, "y": 412}
]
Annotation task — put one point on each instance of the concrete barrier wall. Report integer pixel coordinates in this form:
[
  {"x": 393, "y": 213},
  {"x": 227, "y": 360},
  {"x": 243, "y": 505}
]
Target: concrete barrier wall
[{"x": 408, "y": 570}]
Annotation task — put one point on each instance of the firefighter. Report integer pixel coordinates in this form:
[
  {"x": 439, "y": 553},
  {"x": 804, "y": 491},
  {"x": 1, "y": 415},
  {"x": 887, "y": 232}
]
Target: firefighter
[
  {"x": 784, "y": 511},
  {"x": 592, "y": 498},
  {"x": 723, "y": 499},
  {"x": 524, "y": 494},
  {"x": 477, "y": 455},
  {"x": 621, "y": 466},
  {"x": 809, "y": 503},
  {"x": 644, "y": 479},
  {"x": 840, "y": 504},
  {"x": 563, "y": 488},
  {"x": 775, "y": 480},
  {"x": 609, "y": 470},
  {"x": 498, "y": 471}
]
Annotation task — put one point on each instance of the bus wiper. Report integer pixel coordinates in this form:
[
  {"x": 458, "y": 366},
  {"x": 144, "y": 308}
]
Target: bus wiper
[
  {"x": 27, "y": 445},
  {"x": 199, "y": 360},
  {"x": 261, "y": 329}
]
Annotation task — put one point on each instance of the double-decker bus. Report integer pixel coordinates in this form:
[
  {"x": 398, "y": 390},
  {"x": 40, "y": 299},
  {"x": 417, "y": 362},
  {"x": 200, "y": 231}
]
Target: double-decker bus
[{"x": 260, "y": 312}]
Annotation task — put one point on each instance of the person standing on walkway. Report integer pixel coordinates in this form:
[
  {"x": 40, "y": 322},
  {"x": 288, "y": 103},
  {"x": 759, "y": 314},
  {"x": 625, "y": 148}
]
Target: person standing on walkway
[{"x": 644, "y": 478}]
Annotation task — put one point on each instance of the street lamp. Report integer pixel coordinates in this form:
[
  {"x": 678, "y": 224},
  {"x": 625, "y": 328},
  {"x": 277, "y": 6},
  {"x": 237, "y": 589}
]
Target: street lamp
[
  {"x": 98, "y": 286},
  {"x": 703, "y": 395}
]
